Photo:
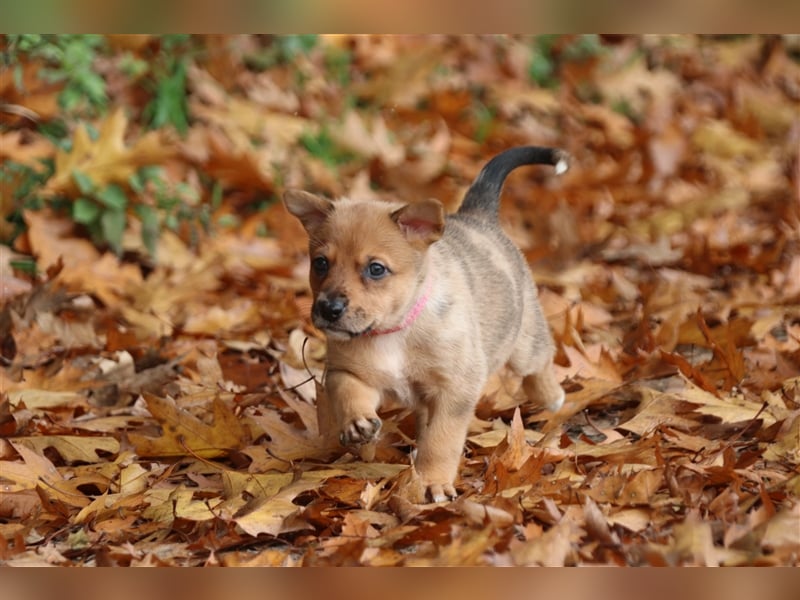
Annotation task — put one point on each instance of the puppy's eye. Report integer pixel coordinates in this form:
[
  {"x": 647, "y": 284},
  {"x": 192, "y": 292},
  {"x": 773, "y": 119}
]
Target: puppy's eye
[
  {"x": 376, "y": 270},
  {"x": 320, "y": 266}
]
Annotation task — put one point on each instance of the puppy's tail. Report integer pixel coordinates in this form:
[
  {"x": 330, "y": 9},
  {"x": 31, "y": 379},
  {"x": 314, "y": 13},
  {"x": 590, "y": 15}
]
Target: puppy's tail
[{"x": 484, "y": 193}]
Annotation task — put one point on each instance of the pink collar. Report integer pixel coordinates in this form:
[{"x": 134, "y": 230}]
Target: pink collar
[{"x": 415, "y": 311}]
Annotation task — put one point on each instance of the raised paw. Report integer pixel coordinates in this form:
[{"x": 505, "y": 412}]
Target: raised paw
[
  {"x": 441, "y": 492},
  {"x": 360, "y": 431}
]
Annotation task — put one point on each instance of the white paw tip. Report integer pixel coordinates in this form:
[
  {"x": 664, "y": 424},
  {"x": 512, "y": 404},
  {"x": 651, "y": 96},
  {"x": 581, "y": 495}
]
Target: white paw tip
[{"x": 558, "y": 403}]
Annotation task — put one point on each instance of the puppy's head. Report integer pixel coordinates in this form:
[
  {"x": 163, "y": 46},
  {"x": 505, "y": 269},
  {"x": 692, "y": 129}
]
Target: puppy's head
[{"x": 366, "y": 259}]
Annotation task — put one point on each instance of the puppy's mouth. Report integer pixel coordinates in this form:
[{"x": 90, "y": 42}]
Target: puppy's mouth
[{"x": 341, "y": 333}]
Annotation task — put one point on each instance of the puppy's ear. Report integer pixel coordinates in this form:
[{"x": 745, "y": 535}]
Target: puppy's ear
[
  {"x": 421, "y": 221},
  {"x": 312, "y": 210}
]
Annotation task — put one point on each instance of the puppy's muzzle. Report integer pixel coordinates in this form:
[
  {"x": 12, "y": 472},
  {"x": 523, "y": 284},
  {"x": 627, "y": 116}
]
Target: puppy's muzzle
[{"x": 331, "y": 308}]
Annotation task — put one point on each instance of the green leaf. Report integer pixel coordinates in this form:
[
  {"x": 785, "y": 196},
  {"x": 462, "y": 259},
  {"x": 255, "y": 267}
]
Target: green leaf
[
  {"x": 113, "y": 196},
  {"x": 84, "y": 211},
  {"x": 150, "y": 226},
  {"x": 151, "y": 173},
  {"x": 136, "y": 181},
  {"x": 83, "y": 181},
  {"x": 112, "y": 225},
  {"x": 169, "y": 105},
  {"x": 25, "y": 264},
  {"x": 93, "y": 86},
  {"x": 216, "y": 195}
]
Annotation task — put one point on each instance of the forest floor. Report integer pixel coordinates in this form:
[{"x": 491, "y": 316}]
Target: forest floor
[{"x": 155, "y": 404}]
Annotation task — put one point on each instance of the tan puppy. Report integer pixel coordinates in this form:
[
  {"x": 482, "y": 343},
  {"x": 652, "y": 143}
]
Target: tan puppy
[{"x": 425, "y": 307}]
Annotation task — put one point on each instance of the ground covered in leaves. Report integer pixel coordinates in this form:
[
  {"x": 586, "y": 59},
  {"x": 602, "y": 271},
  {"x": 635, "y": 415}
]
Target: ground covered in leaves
[{"x": 156, "y": 407}]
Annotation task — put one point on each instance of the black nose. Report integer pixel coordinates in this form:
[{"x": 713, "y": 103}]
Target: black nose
[{"x": 332, "y": 308}]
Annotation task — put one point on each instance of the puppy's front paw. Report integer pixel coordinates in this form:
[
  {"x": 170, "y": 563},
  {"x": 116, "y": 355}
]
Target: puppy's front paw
[
  {"x": 441, "y": 492},
  {"x": 360, "y": 431}
]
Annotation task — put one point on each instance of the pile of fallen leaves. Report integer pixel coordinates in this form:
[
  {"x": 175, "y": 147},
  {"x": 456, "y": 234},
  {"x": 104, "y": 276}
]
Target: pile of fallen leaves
[{"x": 159, "y": 409}]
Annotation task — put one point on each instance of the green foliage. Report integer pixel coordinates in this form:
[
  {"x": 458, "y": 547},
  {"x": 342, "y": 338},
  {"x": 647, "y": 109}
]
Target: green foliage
[
  {"x": 167, "y": 80},
  {"x": 160, "y": 68},
  {"x": 23, "y": 183},
  {"x": 549, "y": 52},
  {"x": 323, "y": 147},
  {"x": 542, "y": 66},
  {"x": 169, "y": 106},
  {"x": 281, "y": 49},
  {"x": 102, "y": 211},
  {"x": 70, "y": 59},
  {"x": 172, "y": 205},
  {"x": 338, "y": 62},
  {"x": 484, "y": 121}
]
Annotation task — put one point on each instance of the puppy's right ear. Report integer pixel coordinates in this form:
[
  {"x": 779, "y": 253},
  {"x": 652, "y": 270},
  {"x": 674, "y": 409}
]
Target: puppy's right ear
[{"x": 312, "y": 210}]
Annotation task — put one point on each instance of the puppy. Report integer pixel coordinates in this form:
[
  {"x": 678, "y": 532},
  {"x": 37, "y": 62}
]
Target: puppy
[{"x": 425, "y": 307}]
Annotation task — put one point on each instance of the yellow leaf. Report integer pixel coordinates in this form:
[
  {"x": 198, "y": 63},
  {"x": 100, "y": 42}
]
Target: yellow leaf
[
  {"x": 108, "y": 159},
  {"x": 34, "y": 469},
  {"x": 39, "y": 399},
  {"x": 720, "y": 139},
  {"x": 167, "y": 504},
  {"x": 72, "y": 448},
  {"x": 551, "y": 549},
  {"x": 270, "y": 515},
  {"x": 518, "y": 450},
  {"x": 184, "y": 434}
]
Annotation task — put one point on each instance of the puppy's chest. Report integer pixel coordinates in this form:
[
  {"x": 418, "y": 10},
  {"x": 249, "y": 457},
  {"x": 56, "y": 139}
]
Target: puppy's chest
[{"x": 392, "y": 368}]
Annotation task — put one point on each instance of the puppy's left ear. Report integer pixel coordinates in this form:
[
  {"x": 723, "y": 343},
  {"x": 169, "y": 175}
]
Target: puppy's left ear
[
  {"x": 421, "y": 222},
  {"x": 312, "y": 210}
]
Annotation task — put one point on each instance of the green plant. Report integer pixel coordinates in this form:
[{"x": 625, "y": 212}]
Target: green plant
[
  {"x": 549, "y": 51},
  {"x": 338, "y": 62},
  {"x": 103, "y": 211},
  {"x": 484, "y": 120},
  {"x": 173, "y": 205},
  {"x": 167, "y": 80},
  {"x": 69, "y": 59},
  {"x": 161, "y": 67},
  {"x": 169, "y": 104},
  {"x": 322, "y": 146},
  {"x": 280, "y": 49}
]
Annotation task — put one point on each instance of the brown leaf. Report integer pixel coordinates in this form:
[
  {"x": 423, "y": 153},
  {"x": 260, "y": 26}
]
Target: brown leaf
[
  {"x": 185, "y": 435},
  {"x": 73, "y": 448},
  {"x": 554, "y": 548},
  {"x": 272, "y": 514}
]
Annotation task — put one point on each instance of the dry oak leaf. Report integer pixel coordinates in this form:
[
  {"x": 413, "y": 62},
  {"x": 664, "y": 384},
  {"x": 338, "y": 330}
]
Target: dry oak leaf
[
  {"x": 184, "y": 434},
  {"x": 168, "y": 504},
  {"x": 34, "y": 469},
  {"x": 25, "y": 148},
  {"x": 31, "y": 98},
  {"x": 108, "y": 159},
  {"x": 72, "y": 448},
  {"x": 554, "y": 548},
  {"x": 273, "y": 515},
  {"x": 51, "y": 238}
]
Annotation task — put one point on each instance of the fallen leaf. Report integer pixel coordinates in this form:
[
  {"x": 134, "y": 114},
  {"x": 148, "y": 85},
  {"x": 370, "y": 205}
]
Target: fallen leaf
[
  {"x": 73, "y": 448},
  {"x": 271, "y": 514},
  {"x": 184, "y": 434},
  {"x": 107, "y": 159}
]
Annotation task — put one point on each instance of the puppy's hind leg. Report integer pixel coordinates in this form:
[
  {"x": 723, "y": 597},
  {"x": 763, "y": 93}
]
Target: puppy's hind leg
[
  {"x": 532, "y": 359},
  {"x": 543, "y": 388}
]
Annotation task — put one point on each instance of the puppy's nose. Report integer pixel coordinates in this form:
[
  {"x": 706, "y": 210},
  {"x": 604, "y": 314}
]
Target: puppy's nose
[{"x": 332, "y": 308}]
